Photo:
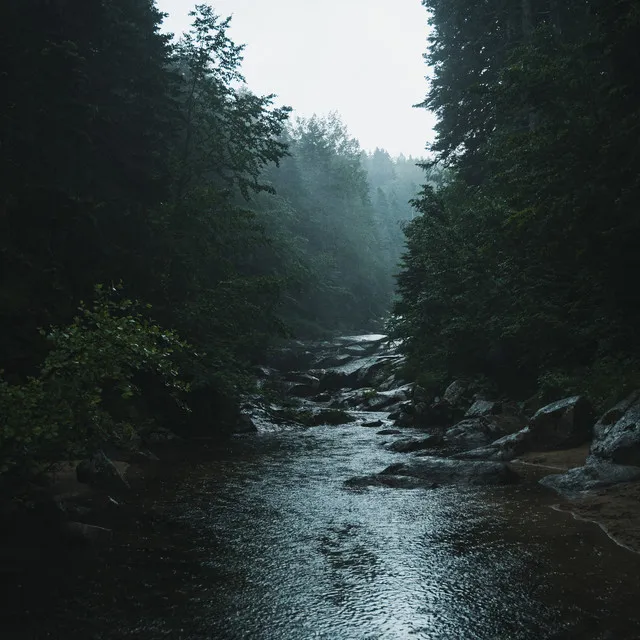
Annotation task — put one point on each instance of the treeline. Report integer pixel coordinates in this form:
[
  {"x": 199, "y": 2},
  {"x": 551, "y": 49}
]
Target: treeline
[
  {"x": 522, "y": 269},
  {"x": 140, "y": 175}
]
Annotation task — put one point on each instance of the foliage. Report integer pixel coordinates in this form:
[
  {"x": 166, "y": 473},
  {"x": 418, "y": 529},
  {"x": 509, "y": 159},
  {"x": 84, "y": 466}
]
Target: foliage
[
  {"x": 521, "y": 268},
  {"x": 62, "y": 412}
]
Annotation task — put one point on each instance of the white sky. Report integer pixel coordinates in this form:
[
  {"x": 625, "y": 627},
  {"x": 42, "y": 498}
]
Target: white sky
[{"x": 362, "y": 58}]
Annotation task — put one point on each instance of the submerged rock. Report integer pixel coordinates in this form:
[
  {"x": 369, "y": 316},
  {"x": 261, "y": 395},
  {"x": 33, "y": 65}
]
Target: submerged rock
[{"x": 448, "y": 471}]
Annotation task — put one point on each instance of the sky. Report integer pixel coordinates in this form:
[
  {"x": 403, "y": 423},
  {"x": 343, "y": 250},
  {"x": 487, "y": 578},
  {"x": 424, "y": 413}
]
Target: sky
[{"x": 361, "y": 58}]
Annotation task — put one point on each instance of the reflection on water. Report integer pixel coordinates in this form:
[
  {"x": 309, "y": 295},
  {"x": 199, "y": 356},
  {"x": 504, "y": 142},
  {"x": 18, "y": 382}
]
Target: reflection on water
[{"x": 267, "y": 543}]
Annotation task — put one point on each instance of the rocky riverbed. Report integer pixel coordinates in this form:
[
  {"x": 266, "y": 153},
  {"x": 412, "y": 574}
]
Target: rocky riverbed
[{"x": 348, "y": 506}]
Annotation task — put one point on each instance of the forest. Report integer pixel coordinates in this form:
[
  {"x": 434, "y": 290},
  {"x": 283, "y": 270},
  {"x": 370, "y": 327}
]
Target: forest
[
  {"x": 161, "y": 226},
  {"x": 521, "y": 270}
]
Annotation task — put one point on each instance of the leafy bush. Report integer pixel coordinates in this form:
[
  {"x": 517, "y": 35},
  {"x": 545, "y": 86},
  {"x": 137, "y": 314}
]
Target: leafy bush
[{"x": 61, "y": 413}]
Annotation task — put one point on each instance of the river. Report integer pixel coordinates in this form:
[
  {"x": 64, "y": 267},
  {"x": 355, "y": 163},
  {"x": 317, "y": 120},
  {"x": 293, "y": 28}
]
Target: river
[{"x": 263, "y": 541}]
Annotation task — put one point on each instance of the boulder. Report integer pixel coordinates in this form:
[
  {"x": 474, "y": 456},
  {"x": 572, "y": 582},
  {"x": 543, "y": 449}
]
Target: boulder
[
  {"x": 158, "y": 435},
  {"x": 617, "y": 433},
  {"x": 384, "y": 399},
  {"x": 78, "y": 533},
  {"x": 420, "y": 395},
  {"x": 592, "y": 476},
  {"x": 373, "y": 423},
  {"x": 302, "y": 391},
  {"x": 302, "y": 378},
  {"x": 563, "y": 424},
  {"x": 504, "y": 449},
  {"x": 407, "y": 445},
  {"x": 99, "y": 472},
  {"x": 483, "y": 408},
  {"x": 455, "y": 392},
  {"x": 447, "y": 471},
  {"x": 473, "y": 433},
  {"x": 388, "y": 432},
  {"x": 331, "y": 417}
]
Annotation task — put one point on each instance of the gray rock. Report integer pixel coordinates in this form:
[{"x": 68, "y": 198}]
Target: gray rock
[
  {"x": 245, "y": 423},
  {"x": 448, "y": 471},
  {"x": 159, "y": 435},
  {"x": 455, "y": 392},
  {"x": 388, "y": 432},
  {"x": 373, "y": 423},
  {"x": 407, "y": 445},
  {"x": 473, "y": 433},
  {"x": 483, "y": 408},
  {"x": 563, "y": 424},
  {"x": 386, "y": 398},
  {"x": 303, "y": 391},
  {"x": 303, "y": 378},
  {"x": 331, "y": 417},
  {"x": 617, "y": 433},
  {"x": 591, "y": 476},
  {"x": 420, "y": 395},
  {"x": 99, "y": 472},
  {"x": 80, "y": 533},
  {"x": 504, "y": 449}
]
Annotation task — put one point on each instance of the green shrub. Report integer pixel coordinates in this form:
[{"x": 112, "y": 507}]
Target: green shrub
[{"x": 61, "y": 413}]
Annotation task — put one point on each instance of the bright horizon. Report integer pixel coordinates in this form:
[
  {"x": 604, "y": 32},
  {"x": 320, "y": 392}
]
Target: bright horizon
[{"x": 361, "y": 58}]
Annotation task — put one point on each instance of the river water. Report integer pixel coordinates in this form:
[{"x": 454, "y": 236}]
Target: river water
[{"x": 263, "y": 541}]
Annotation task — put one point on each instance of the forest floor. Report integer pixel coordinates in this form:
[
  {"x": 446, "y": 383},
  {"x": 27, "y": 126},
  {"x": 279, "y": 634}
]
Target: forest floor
[{"x": 615, "y": 509}]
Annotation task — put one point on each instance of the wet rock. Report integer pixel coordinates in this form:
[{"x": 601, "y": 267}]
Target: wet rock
[
  {"x": 448, "y": 471},
  {"x": 591, "y": 476},
  {"x": 483, "y": 408},
  {"x": 385, "y": 399},
  {"x": 394, "y": 482},
  {"x": 143, "y": 456},
  {"x": 332, "y": 417},
  {"x": 455, "y": 392},
  {"x": 562, "y": 425},
  {"x": 373, "y": 423},
  {"x": 99, "y": 472},
  {"x": 363, "y": 372},
  {"x": 504, "y": 449},
  {"x": 260, "y": 371},
  {"x": 158, "y": 435},
  {"x": 245, "y": 423},
  {"x": 323, "y": 397},
  {"x": 617, "y": 433},
  {"x": 302, "y": 378},
  {"x": 407, "y": 445},
  {"x": 388, "y": 432},
  {"x": 473, "y": 433},
  {"x": 78, "y": 533},
  {"x": 302, "y": 391},
  {"x": 336, "y": 360},
  {"x": 419, "y": 395}
]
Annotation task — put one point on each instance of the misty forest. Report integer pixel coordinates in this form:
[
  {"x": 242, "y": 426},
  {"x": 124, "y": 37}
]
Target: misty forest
[{"x": 257, "y": 381}]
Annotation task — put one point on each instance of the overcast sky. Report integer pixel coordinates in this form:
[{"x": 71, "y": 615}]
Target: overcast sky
[{"x": 362, "y": 58}]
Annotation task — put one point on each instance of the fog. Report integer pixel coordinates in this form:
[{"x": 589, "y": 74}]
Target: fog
[{"x": 362, "y": 58}]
